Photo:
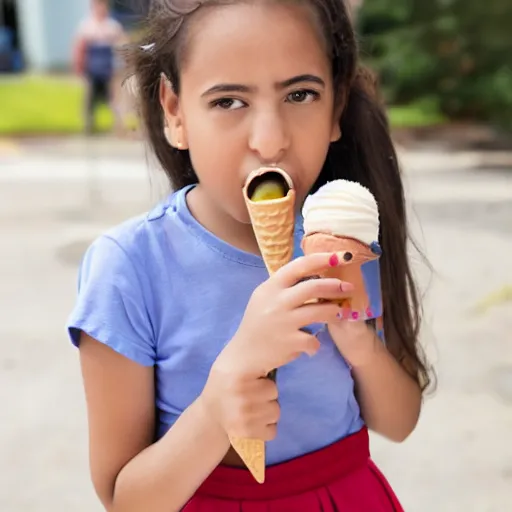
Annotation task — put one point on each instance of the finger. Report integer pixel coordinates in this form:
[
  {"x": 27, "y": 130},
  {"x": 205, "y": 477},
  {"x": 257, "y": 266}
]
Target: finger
[
  {"x": 321, "y": 313},
  {"x": 304, "y": 267},
  {"x": 256, "y": 430},
  {"x": 268, "y": 433},
  {"x": 304, "y": 343},
  {"x": 272, "y": 413},
  {"x": 267, "y": 390},
  {"x": 301, "y": 343},
  {"x": 323, "y": 288},
  {"x": 297, "y": 345}
]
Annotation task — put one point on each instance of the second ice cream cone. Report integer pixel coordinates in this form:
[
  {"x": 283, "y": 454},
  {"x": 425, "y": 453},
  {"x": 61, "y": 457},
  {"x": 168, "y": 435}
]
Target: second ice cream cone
[{"x": 352, "y": 254}]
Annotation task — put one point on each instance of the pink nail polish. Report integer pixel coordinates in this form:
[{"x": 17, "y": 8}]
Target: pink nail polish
[
  {"x": 355, "y": 315},
  {"x": 369, "y": 313},
  {"x": 334, "y": 260}
]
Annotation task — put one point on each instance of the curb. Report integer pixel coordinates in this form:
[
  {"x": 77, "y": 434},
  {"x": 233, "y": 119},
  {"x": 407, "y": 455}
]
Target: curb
[{"x": 440, "y": 161}]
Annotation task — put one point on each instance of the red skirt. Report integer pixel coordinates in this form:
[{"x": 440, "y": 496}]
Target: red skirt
[{"x": 339, "y": 478}]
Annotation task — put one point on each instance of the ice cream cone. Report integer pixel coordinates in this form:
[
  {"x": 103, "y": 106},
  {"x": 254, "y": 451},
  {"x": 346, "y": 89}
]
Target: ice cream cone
[
  {"x": 353, "y": 254},
  {"x": 252, "y": 452},
  {"x": 273, "y": 221}
]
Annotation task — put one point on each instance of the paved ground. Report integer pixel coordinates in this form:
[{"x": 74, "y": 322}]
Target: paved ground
[{"x": 458, "y": 460}]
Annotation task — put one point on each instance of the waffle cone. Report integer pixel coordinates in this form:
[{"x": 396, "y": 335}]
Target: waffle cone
[
  {"x": 252, "y": 452},
  {"x": 350, "y": 269},
  {"x": 273, "y": 222}
]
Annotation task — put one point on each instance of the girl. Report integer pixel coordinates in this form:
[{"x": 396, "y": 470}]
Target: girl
[{"x": 177, "y": 320}]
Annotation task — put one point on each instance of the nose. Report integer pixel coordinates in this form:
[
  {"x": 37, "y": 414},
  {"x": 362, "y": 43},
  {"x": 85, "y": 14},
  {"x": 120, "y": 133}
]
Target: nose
[{"x": 269, "y": 136}]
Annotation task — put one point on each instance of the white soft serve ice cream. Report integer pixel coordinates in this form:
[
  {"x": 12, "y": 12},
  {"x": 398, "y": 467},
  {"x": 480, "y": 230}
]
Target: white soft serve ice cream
[{"x": 342, "y": 208}]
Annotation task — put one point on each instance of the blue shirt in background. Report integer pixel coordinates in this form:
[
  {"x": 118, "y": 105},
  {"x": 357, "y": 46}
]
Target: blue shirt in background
[{"x": 164, "y": 292}]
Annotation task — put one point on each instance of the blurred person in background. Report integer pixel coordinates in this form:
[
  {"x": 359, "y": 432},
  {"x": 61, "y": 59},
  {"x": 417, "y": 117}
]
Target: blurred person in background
[{"x": 94, "y": 59}]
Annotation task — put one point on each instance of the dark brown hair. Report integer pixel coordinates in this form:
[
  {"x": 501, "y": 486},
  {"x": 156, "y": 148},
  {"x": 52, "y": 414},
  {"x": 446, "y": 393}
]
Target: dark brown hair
[{"x": 365, "y": 152}]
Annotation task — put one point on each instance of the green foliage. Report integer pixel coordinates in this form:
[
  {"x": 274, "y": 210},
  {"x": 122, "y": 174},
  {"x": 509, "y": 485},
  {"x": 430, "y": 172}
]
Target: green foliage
[
  {"x": 33, "y": 105},
  {"x": 457, "y": 51}
]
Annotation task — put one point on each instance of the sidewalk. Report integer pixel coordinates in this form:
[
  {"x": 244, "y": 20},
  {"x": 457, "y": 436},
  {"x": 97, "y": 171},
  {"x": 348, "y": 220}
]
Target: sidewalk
[
  {"x": 415, "y": 158},
  {"x": 459, "y": 459}
]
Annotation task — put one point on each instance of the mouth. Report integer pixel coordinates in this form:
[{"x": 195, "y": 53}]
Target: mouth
[{"x": 268, "y": 183}]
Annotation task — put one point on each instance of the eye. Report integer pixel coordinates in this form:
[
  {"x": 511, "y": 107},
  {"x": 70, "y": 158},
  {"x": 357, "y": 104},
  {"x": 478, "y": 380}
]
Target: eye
[
  {"x": 302, "y": 96},
  {"x": 227, "y": 104},
  {"x": 348, "y": 256}
]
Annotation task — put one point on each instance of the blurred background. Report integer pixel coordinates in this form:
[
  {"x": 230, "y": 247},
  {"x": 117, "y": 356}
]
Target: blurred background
[{"x": 68, "y": 171}]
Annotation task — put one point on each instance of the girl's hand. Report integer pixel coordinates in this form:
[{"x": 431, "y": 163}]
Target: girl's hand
[
  {"x": 237, "y": 393},
  {"x": 356, "y": 341}
]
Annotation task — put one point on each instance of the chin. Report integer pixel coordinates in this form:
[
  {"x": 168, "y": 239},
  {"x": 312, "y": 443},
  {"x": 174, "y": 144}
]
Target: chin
[
  {"x": 241, "y": 217},
  {"x": 236, "y": 211}
]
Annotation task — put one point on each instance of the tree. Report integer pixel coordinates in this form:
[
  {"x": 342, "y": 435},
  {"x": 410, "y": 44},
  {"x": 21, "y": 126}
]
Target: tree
[{"x": 457, "y": 52}]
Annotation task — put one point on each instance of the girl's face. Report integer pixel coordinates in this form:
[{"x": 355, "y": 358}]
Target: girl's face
[{"x": 256, "y": 89}]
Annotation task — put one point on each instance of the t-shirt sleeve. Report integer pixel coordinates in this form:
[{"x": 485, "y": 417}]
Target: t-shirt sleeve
[{"x": 110, "y": 306}]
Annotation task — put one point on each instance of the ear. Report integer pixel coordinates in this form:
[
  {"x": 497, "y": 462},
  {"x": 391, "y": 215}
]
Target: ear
[
  {"x": 336, "y": 131},
  {"x": 339, "y": 108},
  {"x": 174, "y": 127}
]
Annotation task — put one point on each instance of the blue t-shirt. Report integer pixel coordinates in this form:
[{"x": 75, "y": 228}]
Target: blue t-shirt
[{"x": 163, "y": 291}]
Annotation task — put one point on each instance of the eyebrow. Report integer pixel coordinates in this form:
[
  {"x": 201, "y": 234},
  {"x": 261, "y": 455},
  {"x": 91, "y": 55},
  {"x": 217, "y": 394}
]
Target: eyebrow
[{"x": 226, "y": 88}]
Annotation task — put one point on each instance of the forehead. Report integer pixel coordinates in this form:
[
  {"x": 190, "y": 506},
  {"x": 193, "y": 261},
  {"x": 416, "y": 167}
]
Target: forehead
[{"x": 255, "y": 40}]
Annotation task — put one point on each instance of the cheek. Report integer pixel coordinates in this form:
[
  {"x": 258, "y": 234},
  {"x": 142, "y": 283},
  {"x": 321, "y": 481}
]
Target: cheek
[
  {"x": 312, "y": 124},
  {"x": 217, "y": 156},
  {"x": 212, "y": 137},
  {"x": 312, "y": 141},
  {"x": 213, "y": 159}
]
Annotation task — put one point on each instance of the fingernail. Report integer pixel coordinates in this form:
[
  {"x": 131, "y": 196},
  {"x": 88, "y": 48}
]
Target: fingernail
[
  {"x": 344, "y": 313},
  {"x": 334, "y": 260},
  {"x": 346, "y": 287},
  {"x": 355, "y": 315}
]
